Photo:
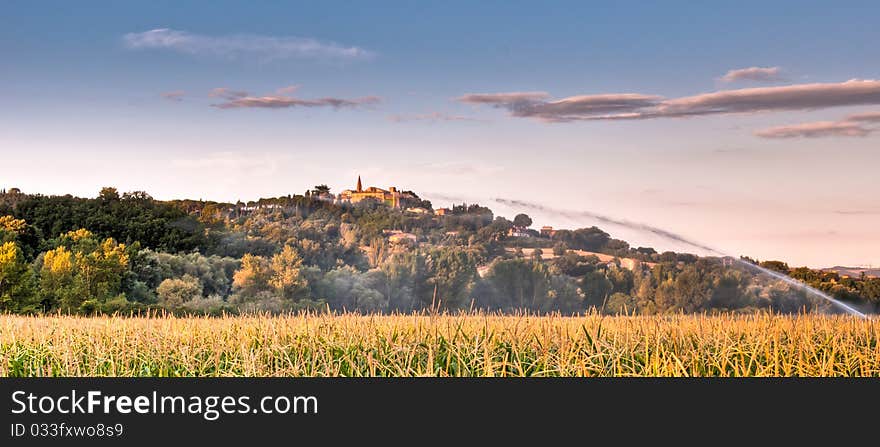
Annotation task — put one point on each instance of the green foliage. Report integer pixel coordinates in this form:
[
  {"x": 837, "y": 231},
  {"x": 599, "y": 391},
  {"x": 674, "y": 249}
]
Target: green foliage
[
  {"x": 174, "y": 293},
  {"x": 345, "y": 288},
  {"x": 130, "y": 253},
  {"x": 129, "y": 218},
  {"x": 522, "y": 220},
  {"x": 16, "y": 285},
  {"x": 82, "y": 272}
]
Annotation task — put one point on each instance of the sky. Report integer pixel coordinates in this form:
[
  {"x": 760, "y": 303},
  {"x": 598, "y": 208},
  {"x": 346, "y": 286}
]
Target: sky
[{"x": 750, "y": 127}]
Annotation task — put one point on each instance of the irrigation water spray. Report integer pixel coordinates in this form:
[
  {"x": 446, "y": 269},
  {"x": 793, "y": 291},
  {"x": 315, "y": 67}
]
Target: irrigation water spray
[
  {"x": 681, "y": 239},
  {"x": 641, "y": 227}
]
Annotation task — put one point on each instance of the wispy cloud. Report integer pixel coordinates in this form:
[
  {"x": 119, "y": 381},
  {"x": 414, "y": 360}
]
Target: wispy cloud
[
  {"x": 758, "y": 74},
  {"x": 432, "y": 117},
  {"x": 869, "y": 117},
  {"x": 260, "y": 162},
  {"x": 288, "y": 90},
  {"x": 237, "y": 46},
  {"x": 242, "y": 100},
  {"x": 567, "y": 109},
  {"x": 816, "y": 129},
  {"x": 176, "y": 95},
  {"x": 634, "y": 106},
  {"x": 858, "y": 212},
  {"x": 790, "y": 97},
  {"x": 503, "y": 99},
  {"x": 456, "y": 168},
  {"x": 225, "y": 93},
  {"x": 858, "y": 125}
]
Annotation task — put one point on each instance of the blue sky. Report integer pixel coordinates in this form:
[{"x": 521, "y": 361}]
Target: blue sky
[{"x": 106, "y": 93}]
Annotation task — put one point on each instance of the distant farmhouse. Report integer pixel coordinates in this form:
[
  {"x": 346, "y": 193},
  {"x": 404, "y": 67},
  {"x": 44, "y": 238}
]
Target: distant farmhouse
[{"x": 391, "y": 197}]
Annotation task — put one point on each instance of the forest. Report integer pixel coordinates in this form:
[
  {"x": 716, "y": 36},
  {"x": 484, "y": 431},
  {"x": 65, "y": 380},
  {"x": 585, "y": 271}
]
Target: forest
[{"x": 129, "y": 253}]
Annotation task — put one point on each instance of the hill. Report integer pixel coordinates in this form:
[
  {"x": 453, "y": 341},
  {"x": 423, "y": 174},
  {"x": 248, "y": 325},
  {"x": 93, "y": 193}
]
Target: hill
[{"x": 131, "y": 253}]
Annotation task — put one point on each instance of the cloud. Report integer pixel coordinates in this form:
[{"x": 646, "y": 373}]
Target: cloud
[
  {"x": 176, "y": 95},
  {"x": 243, "y": 100},
  {"x": 503, "y": 99},
  {"x": 633, "y": 106},
  {"x": 288, "y": 90},
  {"x": 432, "y": 117},
  {"x": 225, "y": 93},
  {"x": 262, "y": 162},
  {"x": 790, "y": 97},
  {"x": 238, "y": 46},
  {"x": 535, "y": 105},
  {"x": 759, "y": 74},
  {"x": 870, "y": 117},
  {"x": 858, "y": 212},
  {"x": 578, "y": 107},
  {"x": 858, "y": 125},
  {"x": 454, "y": 168},
  {"x": 815, "y": 130}
]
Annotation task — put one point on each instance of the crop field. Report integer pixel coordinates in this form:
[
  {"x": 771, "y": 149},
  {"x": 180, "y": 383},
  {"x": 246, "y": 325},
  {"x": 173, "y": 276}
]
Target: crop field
[{"x": 439, "y": 345}]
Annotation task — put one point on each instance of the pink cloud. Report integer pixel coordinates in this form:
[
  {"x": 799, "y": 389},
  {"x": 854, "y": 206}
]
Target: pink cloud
[
  {"x": 815, "y": 130},
  {"x": 760, "y": 74},
  {"x": 502, "y": 98},
  {"x": 762, "y": 99},
  {"x": 858, "y": 125},
  {"x": 242, "y": 46},
  {"x": 176, "y": 95},
  {"x": 225, "y": 93},
  {"x": 869, "y": 117},
  {"x": 288, "y": 90},
  {"x": 579, "y": 107},
  {"x": 281, "y": 100},
  {"x": 632, "y": 106}
]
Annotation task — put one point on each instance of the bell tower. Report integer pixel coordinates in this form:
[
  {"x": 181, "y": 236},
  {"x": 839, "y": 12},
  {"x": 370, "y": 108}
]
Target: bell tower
[{"x": 359, "y": 187}]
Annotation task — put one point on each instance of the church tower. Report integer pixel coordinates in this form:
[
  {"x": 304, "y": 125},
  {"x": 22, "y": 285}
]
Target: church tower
[{"x": 359, "y": 187}]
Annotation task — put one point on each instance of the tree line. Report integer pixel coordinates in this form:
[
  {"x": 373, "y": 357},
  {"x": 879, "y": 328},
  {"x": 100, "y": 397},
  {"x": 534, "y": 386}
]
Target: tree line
[{"x": 131, "y": 253}]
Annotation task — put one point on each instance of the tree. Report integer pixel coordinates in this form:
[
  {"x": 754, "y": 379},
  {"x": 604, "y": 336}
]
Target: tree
[
  {"x": 16, "y": 293},
  {"x": 286, "y": 276},
  {"x": 211, "y": 215},
  {"x": 537, "y": 254},
  {"x": 668, "y": 256},
  {"x": 174, "y": 293},
  {"x": 452, "y": 270},
  {"x": 777, "y": 266},
  {"x": 688, "y": 292},
  {"x": 406, "y": 285},
  {"x": 108, "y": 194},
  {"x": 559, "y": 248},
  {"x": 11, "y": 225},
  {"x": 253, "y": 276},
  {"x": 563, "y": 295},
  {"x": 135, "y": 217},
  {"x": 345, "y": 288},
  {"x": 522, "y": 220},
  {"x": 621, "y": 304},
  {"x": 281, "y": 276},
  {"x": 56, "y": 278},
  {"x": 596, "y": 288},
  {"x": 520, "y": 283},
  {"x": 82, "y": 270},
  {"x": 590, "y": 239},
  {"x": 17, "y": 230}
]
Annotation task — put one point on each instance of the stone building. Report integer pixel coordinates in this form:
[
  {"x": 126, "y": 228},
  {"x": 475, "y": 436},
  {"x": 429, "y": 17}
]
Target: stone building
[{"x": 391, "y": 197}]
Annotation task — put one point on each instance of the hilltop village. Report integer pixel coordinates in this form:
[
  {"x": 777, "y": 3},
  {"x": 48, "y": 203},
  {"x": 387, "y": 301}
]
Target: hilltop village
[{"x": 364, "y": 249}]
